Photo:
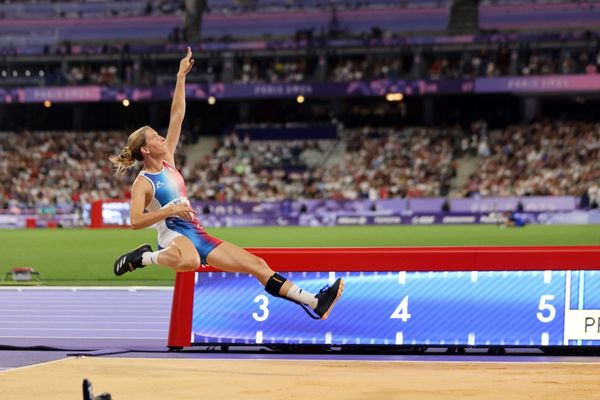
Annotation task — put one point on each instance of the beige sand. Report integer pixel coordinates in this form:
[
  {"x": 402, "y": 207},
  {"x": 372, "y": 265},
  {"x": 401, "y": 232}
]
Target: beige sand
[{"x": 181, "y": 379}]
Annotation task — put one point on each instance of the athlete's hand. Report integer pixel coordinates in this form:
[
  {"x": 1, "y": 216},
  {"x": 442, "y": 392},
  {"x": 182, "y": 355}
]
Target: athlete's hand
[
  {"x": 184, "y": 211},
  {"x": 186, "y": 63}
]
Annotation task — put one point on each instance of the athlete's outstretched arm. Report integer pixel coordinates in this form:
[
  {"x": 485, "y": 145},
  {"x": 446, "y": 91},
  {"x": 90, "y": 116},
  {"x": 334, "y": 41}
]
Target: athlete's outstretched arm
[
  {"x": 140, "y": 219},
  {"x": 178, "y": 105}
]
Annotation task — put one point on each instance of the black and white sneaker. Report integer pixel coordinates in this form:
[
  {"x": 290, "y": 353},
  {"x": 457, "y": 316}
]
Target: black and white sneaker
[
  {"x": 327, "y": 297},
  {"x": 131, "y": 261},
  {"x": 88, "y": 392}
]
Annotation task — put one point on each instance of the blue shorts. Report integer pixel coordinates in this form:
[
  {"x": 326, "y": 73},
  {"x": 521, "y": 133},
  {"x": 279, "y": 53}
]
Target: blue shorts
[{"x": 172, "y": 228}]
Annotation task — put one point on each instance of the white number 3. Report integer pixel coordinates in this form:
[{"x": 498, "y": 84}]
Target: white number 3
[{"x": 264, "y": 303}]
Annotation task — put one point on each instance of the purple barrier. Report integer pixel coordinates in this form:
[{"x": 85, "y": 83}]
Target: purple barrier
[
  {"x": 550, "y": 218},
  {"x": 233, "y": 91},
  {"x": 535, "y": 203},
  {"x": 238, "y": 207},
  {"x": 319, "y": 206},
  {"x": 60, "y": 94},
  {"x": 434, "y": 218},
  {"x": 539, "y": 84},
  {"x": 248, "y": 220},
  {"x": 562, "y": 16},
  {"x": 20, "y": 220},
  {"x": 392, "y": 205},
  {"x": 566, "y": 218},
  {"x": 546, "y": 203},
  {"x": 484, "y": 204},
  {"x": 431, "y": 204},
  {"x": 594, "y": 217},
  {"x": 352, "y": 213}
]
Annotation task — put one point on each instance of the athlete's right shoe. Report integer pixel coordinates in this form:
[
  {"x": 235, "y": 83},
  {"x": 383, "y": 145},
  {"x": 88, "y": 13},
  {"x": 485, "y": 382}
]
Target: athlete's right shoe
[
  {"x": 131, "y": 261},
  {"x": 327, "y": 297}
]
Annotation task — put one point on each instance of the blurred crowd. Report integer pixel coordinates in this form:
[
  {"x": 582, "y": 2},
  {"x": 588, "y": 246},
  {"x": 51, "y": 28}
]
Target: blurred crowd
[
  {"x": 436, "y": 65},
  {"x": 406, "y": 64},
  {"x": 241, "y": 169},
  {"x": 386, "y": 163},
  {"x": 545, "y": 158},
  {"x": 51, "y": 171},
  {"x": 365, "y": 163},
  {"x": 272, "y": 71}
]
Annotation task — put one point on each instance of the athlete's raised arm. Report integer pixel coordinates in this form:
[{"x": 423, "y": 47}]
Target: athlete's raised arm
[{"x": 178, "y": 105}]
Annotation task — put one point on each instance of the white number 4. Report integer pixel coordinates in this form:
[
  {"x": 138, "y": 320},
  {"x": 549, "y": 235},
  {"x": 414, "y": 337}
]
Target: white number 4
[
  {"x": 263, "y": 306},
  {"x": 401, "y": 312},
  {"x": 546, "y": 306}
]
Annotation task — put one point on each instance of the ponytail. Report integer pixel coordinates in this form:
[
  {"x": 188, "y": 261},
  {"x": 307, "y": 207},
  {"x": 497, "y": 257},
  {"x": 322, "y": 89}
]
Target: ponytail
[
  {"x": 131, "y": 152},
  {"x": 123, "y": 161}
]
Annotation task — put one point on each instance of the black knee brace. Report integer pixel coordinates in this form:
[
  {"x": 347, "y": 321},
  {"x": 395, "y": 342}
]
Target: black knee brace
[{"x": 274, "y": 285}]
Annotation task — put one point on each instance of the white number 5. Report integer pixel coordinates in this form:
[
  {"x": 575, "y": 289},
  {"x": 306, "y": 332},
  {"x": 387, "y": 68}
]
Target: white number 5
[
  {"x": 546, "y": 306},
  {"x": 264, "y": 300}
]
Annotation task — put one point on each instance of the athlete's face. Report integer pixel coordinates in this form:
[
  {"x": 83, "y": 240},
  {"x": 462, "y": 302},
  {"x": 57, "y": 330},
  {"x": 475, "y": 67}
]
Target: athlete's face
[{"x": 155, "y": 144}]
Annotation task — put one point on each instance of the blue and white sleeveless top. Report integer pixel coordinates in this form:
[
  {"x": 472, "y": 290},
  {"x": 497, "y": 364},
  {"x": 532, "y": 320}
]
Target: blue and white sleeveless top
[{"x": 168, "y": 187}]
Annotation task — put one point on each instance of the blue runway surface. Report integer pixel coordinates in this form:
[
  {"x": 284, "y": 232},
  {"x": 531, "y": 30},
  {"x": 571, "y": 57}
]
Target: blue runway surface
[{"x": 84, "y": 318}]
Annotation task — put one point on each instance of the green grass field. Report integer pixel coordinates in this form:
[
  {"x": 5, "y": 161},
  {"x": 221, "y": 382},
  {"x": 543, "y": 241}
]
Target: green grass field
[{"x": 85, "y": 257}]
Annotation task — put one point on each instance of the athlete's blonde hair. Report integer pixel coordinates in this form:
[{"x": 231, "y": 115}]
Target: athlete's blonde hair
[{"x": 131, "y": 152}]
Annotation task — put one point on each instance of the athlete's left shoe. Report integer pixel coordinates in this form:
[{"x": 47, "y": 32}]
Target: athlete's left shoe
[{"x": 131, "y": 261}]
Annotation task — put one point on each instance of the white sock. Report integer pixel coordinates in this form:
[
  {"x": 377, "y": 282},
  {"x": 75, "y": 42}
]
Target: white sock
[
  {"x": 302, "y": 296},
  {"x": 149, "y": 257}
]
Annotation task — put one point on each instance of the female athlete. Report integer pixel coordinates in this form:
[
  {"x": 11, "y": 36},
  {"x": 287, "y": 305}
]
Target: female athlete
[{"x": 158, "y": 196}]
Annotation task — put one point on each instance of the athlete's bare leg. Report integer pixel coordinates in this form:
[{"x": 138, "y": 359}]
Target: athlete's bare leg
[
  {"x": 231, "y": 258},
  {"x": 181, "y": 255}
]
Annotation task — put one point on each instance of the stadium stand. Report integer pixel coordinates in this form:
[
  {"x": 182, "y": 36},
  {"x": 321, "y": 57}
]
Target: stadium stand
[
  {"x": 56, "y": 170},
  {"x": 50, "y": 171},
  {"x": 414, "y": 148},
  {"x": 136, "y": 22},
  {"x": 540, "y": 159},
  {"x": 412, "y": 62}
]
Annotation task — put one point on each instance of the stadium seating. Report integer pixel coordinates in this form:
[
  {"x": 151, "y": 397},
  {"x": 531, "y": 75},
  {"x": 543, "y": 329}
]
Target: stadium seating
[
  {"x": 413, "y": 62},
  {"x": 545, "y": 159},
  {"x": 135, "y": 22},
  {"x": 50, "y": 171}
]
